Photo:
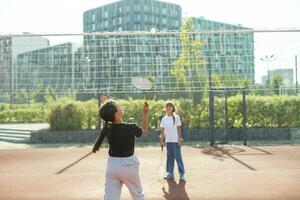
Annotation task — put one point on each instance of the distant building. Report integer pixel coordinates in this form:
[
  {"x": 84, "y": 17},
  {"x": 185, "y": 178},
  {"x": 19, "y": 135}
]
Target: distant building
[
  {"x": 231, "y": 53},
  {"x": 10, "y": 47},
  {"x": 286, "y": 74},
  {"x": 52, "y": 66},
  {"x": 115, "y": 59},
  {"x": 133, "y": 15},
  {"x": 106, "y": 63},
  {"x": 264, "y": 80}
]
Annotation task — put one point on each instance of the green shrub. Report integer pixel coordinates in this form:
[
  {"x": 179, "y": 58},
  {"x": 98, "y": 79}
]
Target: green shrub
[
  {"x": 68, "y": 114},
  {"x": 89, "y": 112},
  {"x": 65, "y": 116},
  {"x": 22, "y": 115}
]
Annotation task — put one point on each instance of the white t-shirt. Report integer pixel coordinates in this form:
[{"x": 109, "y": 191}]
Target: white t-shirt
[{"x": 171, "y": 132}]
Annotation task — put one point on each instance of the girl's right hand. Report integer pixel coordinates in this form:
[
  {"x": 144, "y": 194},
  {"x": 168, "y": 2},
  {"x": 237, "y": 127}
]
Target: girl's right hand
[{"x": 146, "y": 108}]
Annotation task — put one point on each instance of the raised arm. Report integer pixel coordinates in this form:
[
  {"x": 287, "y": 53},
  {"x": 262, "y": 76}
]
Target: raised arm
[{"x": 145, "y": 118}]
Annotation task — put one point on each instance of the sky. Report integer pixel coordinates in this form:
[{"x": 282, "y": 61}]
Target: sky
[
  {"x": 65, "y": 16},
  {"x": 58, "y": 16}
]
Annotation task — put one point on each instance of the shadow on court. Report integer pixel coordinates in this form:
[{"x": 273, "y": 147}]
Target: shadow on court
[
  {"x": 175, "y": 190},
  {"x": 221, "y": 152}
]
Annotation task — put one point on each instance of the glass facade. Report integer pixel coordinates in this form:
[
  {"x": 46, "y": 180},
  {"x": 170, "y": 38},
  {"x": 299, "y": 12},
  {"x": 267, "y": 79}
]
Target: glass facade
[
  {"x": 133, "y": 15},
  {"x": 228, "y": 52},
  {"x": 10, "y": 47},
  {"x": 116, "y": 59},
  {"x": 53, "y": 67}
]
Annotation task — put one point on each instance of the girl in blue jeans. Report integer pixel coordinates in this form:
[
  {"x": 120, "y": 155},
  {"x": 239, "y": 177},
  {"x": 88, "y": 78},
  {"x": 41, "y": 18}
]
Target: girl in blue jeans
[{"x": 171, "y": 132}]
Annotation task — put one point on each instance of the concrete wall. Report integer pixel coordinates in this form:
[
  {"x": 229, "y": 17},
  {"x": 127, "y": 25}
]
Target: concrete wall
[{"x": 89, "y": 136}]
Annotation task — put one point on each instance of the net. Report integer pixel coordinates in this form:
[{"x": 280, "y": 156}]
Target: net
[{"x": 263, "y": 61}]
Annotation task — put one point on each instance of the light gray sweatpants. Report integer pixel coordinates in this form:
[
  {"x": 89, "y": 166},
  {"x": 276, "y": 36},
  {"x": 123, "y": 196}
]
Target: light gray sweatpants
[{"x": 122, "y": 170}]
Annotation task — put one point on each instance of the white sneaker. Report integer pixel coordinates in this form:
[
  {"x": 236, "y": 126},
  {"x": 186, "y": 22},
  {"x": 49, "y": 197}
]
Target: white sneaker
[
  {"x": 169, "y": 176},
  {"x": 181, "y": 177}
]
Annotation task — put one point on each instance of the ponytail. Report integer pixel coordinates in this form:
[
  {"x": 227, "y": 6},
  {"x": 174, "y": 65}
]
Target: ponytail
[
  {"x": 107, "y": 113},
  {"x": 104, "y": 132},
  {"x": 173, "y": 119}
]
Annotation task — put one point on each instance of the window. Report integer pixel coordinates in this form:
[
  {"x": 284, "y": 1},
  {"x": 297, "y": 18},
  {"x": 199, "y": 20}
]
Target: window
[
  {"x": 136, "y": 7},
  {"x": 145, "y": 8},
  {"x": 120, "y": 60},
  {"x": 152, "y": 19},
  {"x": 128, "y": 8},
  {"x": 156, "y": 20},
  {"x": 164, "y": 11}
]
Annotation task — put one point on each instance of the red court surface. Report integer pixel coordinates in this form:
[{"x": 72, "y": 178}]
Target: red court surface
[{"x": 214, "y": 173}]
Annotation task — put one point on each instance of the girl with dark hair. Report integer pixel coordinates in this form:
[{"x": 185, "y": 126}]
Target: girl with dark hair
[
  {"x": 122, "y": 165},
  {"x": 171, "y": 131}
]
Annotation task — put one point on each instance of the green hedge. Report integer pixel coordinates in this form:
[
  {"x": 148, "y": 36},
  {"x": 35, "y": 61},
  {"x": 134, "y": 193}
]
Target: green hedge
[
  {"x": 274, "y": 111},
  {"x": 89, "y": 114},
  {"x": 22, "y": 115},
  {"x": 66, "y": 114},
  {"x": 7, "y": 106}
]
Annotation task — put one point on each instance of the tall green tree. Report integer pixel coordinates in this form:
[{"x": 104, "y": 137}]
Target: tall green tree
[
  {"x": 276, "y": 83},
  {"x": 189, "y": 69}
]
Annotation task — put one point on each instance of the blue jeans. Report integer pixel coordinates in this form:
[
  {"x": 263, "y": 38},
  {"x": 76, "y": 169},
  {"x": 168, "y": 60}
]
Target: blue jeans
[{"x": 174, "y": 153}]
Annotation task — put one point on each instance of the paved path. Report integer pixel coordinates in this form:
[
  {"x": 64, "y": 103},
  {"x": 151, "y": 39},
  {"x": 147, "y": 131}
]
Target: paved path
[
  {"x": 19, "y": 133},
  {"x": 221, "y": 173},
  {"x": 26, "y": 126}
]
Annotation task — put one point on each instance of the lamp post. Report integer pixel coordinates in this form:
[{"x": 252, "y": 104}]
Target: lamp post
[
  {"x": 296, "y": 74},
  {"x": 87, "y": 76},
  {"x": 211, "y": 97}
]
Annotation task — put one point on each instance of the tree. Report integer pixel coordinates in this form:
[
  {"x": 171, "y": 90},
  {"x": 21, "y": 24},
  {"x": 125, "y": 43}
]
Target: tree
[
  {"x": 25, "y": 96},
  {"x": 276, "y": 83},
  {"x": 50, "y": 94},
  {"x": 189, "y": 69}
]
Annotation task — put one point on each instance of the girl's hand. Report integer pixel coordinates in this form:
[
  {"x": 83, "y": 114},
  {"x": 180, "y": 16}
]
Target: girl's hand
[
  {"x": 179, "y": 143},
  {"x": 146, "y": 108},
  {"x": 161, "y": 144}
]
